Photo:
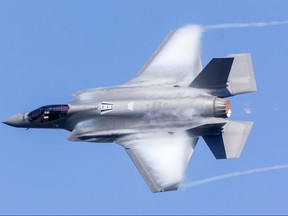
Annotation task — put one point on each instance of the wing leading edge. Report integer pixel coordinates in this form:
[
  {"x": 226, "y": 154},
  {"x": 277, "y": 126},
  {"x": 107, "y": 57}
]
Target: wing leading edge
[
  {"x": 176, "y": 62},
  {"x": 160, "y": 158}
]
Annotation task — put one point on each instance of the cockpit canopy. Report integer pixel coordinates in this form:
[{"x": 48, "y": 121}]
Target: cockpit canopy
[{"x": 49, "y": 113}]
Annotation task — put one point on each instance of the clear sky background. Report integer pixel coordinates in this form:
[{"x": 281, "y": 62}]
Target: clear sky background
[{"x": 50, "y": 49}]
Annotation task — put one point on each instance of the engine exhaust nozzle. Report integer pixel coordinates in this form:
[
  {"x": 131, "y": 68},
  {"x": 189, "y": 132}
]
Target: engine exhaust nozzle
[{"x": 222, "y": 108}]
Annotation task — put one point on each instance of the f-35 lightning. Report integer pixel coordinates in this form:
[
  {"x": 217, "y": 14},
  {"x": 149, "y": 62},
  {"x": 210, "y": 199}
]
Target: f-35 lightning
[{"x": 159, "y": 115}]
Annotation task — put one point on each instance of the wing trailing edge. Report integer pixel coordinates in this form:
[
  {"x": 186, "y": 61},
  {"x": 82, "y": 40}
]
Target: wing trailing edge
[
  {"x": 176, "y": 62},
  {"x": 161, "y": 158}
]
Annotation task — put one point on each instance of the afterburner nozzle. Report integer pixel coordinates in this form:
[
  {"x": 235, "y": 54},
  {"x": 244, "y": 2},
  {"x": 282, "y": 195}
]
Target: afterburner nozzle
[{"x": 222, "y": 108}]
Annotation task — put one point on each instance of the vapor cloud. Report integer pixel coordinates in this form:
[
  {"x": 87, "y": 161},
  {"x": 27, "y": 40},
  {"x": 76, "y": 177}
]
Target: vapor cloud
[
  {"x": 244, "y": 25},
  {"x": 247, "y": 108},
  {"x": 163, "y": 155},
  {"x": 231, "y": 175}
]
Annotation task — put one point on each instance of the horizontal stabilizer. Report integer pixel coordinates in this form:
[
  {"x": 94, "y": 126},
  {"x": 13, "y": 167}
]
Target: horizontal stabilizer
[
  {"x": 230, "y": 143},
  {"x": 228, "y": 76},
  {"x": 241, "y": 78}
]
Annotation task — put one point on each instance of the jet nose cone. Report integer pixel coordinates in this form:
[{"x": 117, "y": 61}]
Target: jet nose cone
[{"x": 15, "y": 120}]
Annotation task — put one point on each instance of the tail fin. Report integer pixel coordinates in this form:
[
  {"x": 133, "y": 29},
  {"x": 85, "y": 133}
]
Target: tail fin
[
  {"x": 214, "y": 75},
  {"x": 230, "y": 143},
  {"x": 227, "y": 76}
]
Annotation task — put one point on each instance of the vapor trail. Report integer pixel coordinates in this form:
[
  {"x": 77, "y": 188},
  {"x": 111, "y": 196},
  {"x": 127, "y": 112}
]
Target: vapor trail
[
  {"x": 234, "y": 174},
  {"x": 244, "y": 25}
]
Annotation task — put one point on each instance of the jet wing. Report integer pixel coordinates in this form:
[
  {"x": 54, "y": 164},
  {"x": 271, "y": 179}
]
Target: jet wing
[
  {"x": 161, "y": 158},
  {"x": 176, "y": 62}
]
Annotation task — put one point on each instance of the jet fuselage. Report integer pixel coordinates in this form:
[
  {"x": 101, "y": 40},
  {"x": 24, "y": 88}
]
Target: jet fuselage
[
  {"x": 101, "y": 116},
  {"x": 159, "y": 115}
]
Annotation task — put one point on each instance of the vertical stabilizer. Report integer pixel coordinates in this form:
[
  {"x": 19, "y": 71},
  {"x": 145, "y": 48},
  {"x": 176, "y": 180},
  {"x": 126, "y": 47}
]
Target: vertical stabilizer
[
  {"x": 241, "y": 78},
  {"x": 230, "y": 143},
  {"x": 228, "y": 76},
  {"x": 214, "y": 75}
]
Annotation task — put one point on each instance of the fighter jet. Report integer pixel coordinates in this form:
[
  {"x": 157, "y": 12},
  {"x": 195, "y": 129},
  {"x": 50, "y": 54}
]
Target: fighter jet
[{"x": 159, "y": 115}]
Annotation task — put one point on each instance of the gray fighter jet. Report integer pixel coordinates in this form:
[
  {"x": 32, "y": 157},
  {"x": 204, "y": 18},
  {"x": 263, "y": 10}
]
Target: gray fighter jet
[{"x": 159, "y": 115}]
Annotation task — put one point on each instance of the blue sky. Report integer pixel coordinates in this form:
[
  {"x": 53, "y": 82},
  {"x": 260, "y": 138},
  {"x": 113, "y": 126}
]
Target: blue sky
[{"x": 50, "y": 49}]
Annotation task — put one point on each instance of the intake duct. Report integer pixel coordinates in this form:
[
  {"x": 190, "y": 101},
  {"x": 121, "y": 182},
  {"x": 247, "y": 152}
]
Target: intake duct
[{"x": 222, "y": 108}]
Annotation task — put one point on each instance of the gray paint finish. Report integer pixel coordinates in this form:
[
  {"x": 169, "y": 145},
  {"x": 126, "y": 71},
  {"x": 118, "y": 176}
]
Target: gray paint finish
[{"x": 159, "y": 115}]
